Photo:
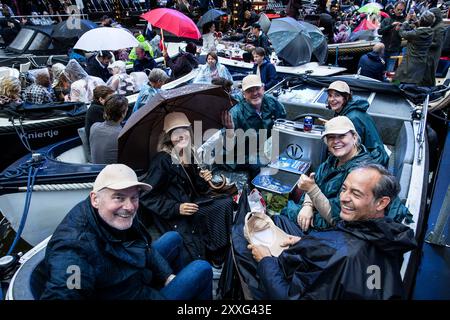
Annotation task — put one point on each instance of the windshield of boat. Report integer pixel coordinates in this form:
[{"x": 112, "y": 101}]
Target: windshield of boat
[
  {"x": 40, "y": 42},
  {"x": 22, "y": 39}
]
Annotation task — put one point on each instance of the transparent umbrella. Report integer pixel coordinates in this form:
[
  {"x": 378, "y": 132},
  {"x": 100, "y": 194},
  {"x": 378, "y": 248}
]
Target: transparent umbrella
[{"x": 291, "y": 41}]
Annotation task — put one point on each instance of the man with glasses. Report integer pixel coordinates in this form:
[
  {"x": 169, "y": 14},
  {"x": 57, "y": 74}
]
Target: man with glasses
[{"x": 391, "y": 39}]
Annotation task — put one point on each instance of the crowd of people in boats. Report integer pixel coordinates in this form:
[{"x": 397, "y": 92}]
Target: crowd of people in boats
[
  {"x": 350, "y": 193},
  {"x": 348, "y": 218}
]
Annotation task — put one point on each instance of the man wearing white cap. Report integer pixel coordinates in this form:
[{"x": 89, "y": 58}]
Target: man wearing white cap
[
  {"x": 102, "y": 251},
  {"x": 257, "y": 111}
]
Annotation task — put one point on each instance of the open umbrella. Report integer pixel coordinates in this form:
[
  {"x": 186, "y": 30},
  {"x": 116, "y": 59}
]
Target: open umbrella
[
  {"x": 209, "y": 16},
  {"x": 172, "y": 21},
  {"x": 67, "y": 30},
  {"x": 372, "y": 7},
  {"x": 264, "y": 22},
  {"x": 291, "y": 41},
  {"x": 319, "y": 41},
  {"x": 200, "y": 102},
  {"x": 106, "y": 38},
  {"x": 362, "y": 35}
]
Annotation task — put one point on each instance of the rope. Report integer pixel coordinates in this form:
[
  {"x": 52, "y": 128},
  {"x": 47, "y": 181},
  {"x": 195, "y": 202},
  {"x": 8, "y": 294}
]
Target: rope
[
  {"x": 48, "y": 124},
  {"x": 22, "y": 135},
  {"x": 61, "y": 187},
  {"x": 33, "y": 170}
]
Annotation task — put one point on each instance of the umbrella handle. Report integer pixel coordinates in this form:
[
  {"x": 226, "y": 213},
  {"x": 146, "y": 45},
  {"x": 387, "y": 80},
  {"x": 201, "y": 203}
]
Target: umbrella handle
[
  {"x": 163, "y": 45},
  {"x": 220, "y": 185}
]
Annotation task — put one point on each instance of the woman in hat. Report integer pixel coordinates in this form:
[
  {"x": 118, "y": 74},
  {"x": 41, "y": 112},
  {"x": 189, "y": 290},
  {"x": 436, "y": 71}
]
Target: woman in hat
[
  {"x": 346, "y": 153},
  {"x": 341, "y": 102},
  {"x": 179, "y": 199},
  {"x": 320, "y": 207}
]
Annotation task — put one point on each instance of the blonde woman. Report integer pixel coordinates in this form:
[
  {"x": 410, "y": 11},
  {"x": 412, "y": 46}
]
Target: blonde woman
[{"x": 9, "y": 92}]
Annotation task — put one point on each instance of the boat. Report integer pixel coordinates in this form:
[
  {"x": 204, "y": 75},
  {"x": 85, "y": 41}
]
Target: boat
[
  {"x": 347, "y": 54},
  {"x": 232, "y": 58},
  {"x": 65, "y": 175},
  {"x": 433, "y": 273},
  {"x": 31, "y": 127},
  {"x": 33, "y": 46}
]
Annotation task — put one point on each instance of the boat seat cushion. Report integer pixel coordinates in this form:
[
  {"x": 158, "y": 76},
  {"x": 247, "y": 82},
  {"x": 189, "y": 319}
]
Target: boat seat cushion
[
  {"x": 403, "y": 158},
  {"x": 83, "y": 137}
]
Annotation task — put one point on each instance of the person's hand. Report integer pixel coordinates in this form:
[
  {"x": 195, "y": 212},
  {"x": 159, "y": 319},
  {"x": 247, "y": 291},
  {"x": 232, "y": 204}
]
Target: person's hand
[
  {"x": 306, "y": 183},
  {"x": 259, "y": 252},
  {"x": 227, "y": 120},
  {"x": 305, "y": 217},
  {"x": 206, "y": 175},
  {"x": 165, "y": 54},
  {"x": 291, "y": 240},
  {"x": 188, "y": 209}
]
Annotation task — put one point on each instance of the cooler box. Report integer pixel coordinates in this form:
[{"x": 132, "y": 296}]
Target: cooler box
[{"x": 298, "y": 144}]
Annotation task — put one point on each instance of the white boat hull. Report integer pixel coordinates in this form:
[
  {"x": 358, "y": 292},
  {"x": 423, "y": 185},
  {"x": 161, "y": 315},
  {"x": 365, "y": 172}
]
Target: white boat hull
[{"x": 47, "y": 209}]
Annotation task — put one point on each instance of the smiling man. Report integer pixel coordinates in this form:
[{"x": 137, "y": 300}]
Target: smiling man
[
  {"x": 102, "y": 251},
  {"x": 255, "y": 114},
  {"x": 360, "y": 259}
]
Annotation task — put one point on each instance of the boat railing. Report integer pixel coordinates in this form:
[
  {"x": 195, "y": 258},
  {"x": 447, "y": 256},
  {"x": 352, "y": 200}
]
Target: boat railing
[
  {"x": 422, "y": 128},
  {"x": 84, "y": 15}
]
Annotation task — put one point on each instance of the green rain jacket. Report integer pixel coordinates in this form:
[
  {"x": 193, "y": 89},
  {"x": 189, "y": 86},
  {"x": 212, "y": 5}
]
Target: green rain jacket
[
  {"x": 356, "y": 111},
  {"x": 147, "y": 47},
  {"x": 245, "y": 116}
]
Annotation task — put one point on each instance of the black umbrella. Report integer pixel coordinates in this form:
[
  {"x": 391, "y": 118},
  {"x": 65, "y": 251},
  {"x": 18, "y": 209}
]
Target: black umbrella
[
  {"x": 210, "y": 16},
  {"x": 200, "y": 102},
  {"x": 74, "y": 28}
]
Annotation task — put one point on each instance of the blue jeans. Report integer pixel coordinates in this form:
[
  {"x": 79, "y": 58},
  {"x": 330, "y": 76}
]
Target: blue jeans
[
  {"x": 390, "y": 63},
  {"x": 193, "y": 281}
]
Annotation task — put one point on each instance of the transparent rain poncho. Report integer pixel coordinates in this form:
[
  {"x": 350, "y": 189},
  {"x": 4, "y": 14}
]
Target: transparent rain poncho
[{"x": 74, "y": 71}]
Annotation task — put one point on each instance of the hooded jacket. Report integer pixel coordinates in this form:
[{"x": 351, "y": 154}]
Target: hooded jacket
[
  {"x": 372, "y": 66},
  {"x": 435, "y": 50},
  {"x": 358, "y": 260},
  {"x": 414, "y": 64},
  {"x": 356, "y": 111},
  {"x": 245, "y": 117},
  {"x": 268, "y": 73},
  {"x": 113, "y": 264}
]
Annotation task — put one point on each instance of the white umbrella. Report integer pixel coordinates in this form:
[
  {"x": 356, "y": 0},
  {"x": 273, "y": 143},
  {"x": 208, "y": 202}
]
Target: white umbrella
[{"x": 106, "y": 38}]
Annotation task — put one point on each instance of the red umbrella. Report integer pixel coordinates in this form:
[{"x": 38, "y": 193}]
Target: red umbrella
[{"x": 172, "y": 21}]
